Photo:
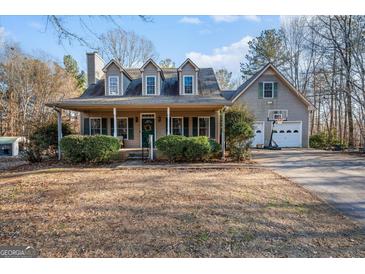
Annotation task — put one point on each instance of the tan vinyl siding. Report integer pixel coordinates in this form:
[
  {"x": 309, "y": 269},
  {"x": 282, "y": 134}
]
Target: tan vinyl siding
[
  {"x": 113, "y": 70},
  {"x": 150, "y": 70},
  {"x": 188, "y": 69}
]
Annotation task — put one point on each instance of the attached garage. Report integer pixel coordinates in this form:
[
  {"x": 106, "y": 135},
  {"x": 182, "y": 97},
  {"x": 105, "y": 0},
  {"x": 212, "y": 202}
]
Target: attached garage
[
  {"x": 288, "y": 134},
  {"x": 259, "y": 130}
]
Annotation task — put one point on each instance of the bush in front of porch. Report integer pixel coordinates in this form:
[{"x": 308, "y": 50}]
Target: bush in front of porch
[
  {"x": 94, "y": 149},
  {"x": 43, "y": 141},
  {"x": 181, "y": 148},
  {"x": 239, "y": 131}
]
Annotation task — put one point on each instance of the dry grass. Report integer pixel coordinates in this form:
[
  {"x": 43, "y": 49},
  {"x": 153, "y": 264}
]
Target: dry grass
[{"x": 102, "y": 212}]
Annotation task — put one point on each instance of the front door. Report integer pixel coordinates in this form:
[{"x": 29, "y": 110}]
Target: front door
[{"x": 148, "y": 128}]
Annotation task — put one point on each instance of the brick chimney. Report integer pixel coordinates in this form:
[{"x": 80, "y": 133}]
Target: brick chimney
[{"x": 95, "y": 65}]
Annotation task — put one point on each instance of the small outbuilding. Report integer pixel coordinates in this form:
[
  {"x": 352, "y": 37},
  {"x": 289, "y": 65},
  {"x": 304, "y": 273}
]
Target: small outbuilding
[{"x": 9, "y": 146}]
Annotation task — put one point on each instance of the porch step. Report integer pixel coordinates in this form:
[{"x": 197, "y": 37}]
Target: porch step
[
  {"x": 135, "y": 158},
  {"x": 136, "y": 155}
]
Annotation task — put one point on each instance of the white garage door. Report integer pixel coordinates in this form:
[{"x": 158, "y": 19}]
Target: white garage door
[
  {"x": 259, "y": 134},
  {"x": 288, "y": 134}
]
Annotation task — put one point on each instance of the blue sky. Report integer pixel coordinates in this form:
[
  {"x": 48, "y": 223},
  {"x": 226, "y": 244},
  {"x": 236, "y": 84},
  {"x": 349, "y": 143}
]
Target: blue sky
[{"x": 217, "y": 41}]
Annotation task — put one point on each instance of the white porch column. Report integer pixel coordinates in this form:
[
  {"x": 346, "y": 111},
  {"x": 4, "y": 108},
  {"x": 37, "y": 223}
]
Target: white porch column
[
  {"x": 223, "y": 134},
  {"x": 168, "y": 121},
  {"x": 218, "y": 129},
  {"x": 59, "y": 131},
  {"x": 115, "y": 122}
]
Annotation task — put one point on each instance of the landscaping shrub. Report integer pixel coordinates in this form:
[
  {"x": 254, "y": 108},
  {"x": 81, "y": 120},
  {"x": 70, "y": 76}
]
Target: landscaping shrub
[
  {"x": 72, "y": 147},
  {"x": 44, "y": 140},
  {"x": 196, "y": 148},
  {"x": 97, "y": 148},
  {"x": 172, "y": 146},
  {"x": 215, "y": 148},
  {"x": 323, "y": 140},
  {"x": 239, "y": 131},
  {"x": 318, "y": 140},
  {"x": 181, "y": 148}
]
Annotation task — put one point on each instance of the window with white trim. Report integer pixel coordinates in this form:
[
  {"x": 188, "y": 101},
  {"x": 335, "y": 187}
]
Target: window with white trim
[
  {"x": 177, "y": 125},
  {"x": 95, "y": 126},
  {"x": 268, "y": 89},
  {"x": 122, "y": 127},
  {"x": 188, "y": 84},
  {"x": 150, "y": 85},
  {"x": 203, "y": 126},
  {"x": 113, "y": 85}
]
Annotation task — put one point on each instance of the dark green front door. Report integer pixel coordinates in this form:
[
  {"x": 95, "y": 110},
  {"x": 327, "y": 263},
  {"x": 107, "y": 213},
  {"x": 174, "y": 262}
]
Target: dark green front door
[{"x": 148, "y": 128}]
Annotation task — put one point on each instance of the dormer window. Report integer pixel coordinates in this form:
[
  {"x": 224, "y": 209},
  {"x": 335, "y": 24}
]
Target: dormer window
[
  {"x": 188, "y": 84},
  {"x": 150, "y": 85},
  {"x": 113, "y": 84}
]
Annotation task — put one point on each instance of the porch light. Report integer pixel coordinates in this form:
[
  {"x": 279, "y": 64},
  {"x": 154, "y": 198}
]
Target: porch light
[
  {"x": 136, "y": 119},
  {"x": 159, "y": 118}
]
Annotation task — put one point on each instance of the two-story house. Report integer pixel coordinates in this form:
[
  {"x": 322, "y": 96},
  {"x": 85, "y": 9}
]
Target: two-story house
[{"x": 133, "y": 103}]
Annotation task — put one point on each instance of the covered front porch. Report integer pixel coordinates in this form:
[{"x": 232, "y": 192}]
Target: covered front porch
[{"x": 134, "y": 125}]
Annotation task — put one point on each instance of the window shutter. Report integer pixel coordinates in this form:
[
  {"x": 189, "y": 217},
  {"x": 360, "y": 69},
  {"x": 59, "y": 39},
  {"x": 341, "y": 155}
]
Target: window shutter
[
  {"x": 86, "y": 126},
  {"x": 104, "y": 126},
  {"x": 261, "y": 90},
  {"x": 195, "y": 126},
  {"x": 212, "y": 127},
  {"x": 166, "y": 126},
  {"x": 275, "y": 89},
  {"x": 131, "y": 128},
  {"x": 112, "y": 126},
  {"x": 186, "y": 126}
]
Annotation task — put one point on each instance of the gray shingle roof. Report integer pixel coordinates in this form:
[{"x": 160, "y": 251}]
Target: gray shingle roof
[
  {"x": 208, "y": 85},
  {"x": 94, "y": 95},
  {"x": 209, "y": 92}
]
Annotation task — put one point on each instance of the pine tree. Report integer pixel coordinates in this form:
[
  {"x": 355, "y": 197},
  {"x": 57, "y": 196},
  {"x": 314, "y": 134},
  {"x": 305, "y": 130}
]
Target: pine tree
[
  {"x": 268, "y": 47},
  {"x": 72, "y": 69}
]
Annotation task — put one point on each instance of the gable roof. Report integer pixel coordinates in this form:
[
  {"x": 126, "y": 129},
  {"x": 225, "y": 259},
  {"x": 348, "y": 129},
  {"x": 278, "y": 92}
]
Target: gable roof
[
  {"x": 241, "y": 89},
  {"x": 150, "y": 60},
  {"x": 115, "y": 62},
  {"x": 188, "y": 60}
]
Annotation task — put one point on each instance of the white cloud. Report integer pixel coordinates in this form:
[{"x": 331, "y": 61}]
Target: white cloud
[
  {"x": 228, "y": 57},
  {"x": 36, "y": 25},
  {"x": 234, "y": 18},
  {"x": 190, "y": 20},
  {"x": 225, "y": 18},
  {"x": 253, "y": 18}
]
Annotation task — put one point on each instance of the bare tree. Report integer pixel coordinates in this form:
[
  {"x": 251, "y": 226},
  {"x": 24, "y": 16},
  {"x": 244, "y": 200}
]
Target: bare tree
[
  {"x": 326, "y": 63},
  {"x": 26, "y": 84},
  {"x": 224, "y": 78},
  {"x": 86, "y": 36},
  {"x": 167, "y": 63},
  {"x": 128, "y": 48}
]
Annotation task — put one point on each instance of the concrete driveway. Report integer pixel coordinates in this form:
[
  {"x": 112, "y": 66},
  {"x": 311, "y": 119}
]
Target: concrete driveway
[{"x": 335, "y": 177}]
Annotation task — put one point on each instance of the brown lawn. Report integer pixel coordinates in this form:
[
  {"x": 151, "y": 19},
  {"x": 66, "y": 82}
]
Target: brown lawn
[{"x": 104, "y": 212}]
